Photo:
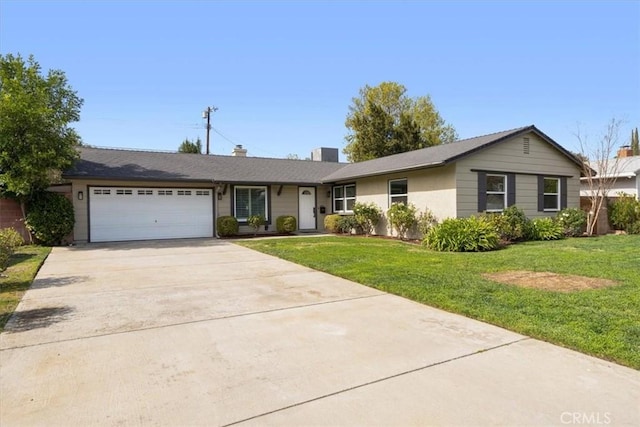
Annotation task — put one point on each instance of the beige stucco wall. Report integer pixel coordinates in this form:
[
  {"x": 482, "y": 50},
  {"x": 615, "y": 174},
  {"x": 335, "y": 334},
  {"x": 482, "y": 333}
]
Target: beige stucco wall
[
  {"x": 428, "y": 188},
  {"x": 509, "y": 156}
]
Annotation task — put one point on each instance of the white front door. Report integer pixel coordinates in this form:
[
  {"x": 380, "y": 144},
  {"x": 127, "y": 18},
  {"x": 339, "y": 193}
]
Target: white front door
[{"x": 307, "y": 208}]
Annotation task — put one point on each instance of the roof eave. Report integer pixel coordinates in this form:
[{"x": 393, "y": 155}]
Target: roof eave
[
  {"x": 386, "y": 172},
  {"x": 135, "y": 179}
]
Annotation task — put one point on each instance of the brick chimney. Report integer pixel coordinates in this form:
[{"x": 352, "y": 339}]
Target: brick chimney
[
  {"x": 238, "y": 151},
  {"x": 625, "y": 151}
]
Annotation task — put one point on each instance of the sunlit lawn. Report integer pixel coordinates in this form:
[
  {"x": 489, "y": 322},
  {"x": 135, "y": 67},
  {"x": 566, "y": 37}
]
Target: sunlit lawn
[
  {"x": 23, "y": 266},
  {"x": 602, "y": 322}
]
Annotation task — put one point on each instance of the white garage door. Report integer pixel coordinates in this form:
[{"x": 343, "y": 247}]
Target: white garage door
[{"x": 119, "y": 213}]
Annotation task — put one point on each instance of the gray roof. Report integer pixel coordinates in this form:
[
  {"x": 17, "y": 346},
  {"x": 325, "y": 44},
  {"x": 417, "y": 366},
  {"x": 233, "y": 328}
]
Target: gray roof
[
  {"x": 434, "y": 156},
  {"x": 101, "y": 163},
  {"x": 623, "y": 167}
]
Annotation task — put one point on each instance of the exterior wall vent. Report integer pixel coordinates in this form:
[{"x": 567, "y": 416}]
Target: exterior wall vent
[{"x": 525, "y": 145}]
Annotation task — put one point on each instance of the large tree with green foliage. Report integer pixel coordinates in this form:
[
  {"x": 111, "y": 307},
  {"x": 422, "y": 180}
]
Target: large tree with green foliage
[
  {"x": 383, "y": 120},
  {"x": 189, "y": 146},
  {"x": 36, "y": 141},
  {"x": 635, "y": 144}
]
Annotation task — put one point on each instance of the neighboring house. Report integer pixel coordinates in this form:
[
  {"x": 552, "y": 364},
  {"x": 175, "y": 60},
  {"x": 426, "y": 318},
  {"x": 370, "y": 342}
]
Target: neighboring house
[
  {"x": 626, "y": 171},
  {"x": 134, "y": 195}
]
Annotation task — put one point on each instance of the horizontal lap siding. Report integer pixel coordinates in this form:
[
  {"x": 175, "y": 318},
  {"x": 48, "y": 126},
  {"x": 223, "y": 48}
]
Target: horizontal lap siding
[{"x": 508, "y": 156}]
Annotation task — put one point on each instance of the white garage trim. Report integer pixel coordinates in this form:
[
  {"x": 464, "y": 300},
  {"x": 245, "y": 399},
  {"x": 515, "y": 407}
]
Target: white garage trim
[{"x": 142, "y": 213}]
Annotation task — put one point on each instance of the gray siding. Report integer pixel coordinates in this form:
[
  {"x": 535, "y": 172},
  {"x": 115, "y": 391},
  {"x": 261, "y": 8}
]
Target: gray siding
[{"x": 509, "y": 156}]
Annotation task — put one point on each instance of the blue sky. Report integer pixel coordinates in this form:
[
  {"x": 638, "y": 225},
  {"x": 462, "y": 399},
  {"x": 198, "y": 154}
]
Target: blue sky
[{"x": 283, "y": 74}]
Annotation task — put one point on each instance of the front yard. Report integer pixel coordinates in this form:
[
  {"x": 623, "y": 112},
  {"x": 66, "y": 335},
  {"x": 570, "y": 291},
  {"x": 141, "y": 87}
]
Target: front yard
[
  {"x": 23, "y": 266},
  {"x": 601, "y": 321}
]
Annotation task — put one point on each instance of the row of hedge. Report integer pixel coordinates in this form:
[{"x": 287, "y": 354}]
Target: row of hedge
[
  {"x": 228, "y": 226},
  {"x": 490, "y": 231},
  {"x": 624, "y": 214},
  {"x": 477, "y": 233}
]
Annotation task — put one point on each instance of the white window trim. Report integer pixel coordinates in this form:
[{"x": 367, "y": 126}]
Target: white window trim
[
  {"x": 557, "y": 208},
  {"x": 397, "y": 195},
  {"x": 256, "y": 187},
  {"x": 504, "y": 192},
  {"x": 344, "y": 198}
]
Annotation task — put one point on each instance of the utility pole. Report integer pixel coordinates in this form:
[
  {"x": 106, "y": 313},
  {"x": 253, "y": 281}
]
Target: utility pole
[{"x": 206, "y": 114}]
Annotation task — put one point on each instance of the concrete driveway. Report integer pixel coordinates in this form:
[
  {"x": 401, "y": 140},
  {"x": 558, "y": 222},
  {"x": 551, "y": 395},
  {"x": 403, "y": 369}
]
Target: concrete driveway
[{"x": 202, "y": 332}]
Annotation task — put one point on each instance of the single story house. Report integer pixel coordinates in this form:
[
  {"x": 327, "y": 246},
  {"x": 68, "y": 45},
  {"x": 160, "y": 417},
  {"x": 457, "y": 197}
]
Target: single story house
[
  {"x": 137, "y": 195},
  {"x": 625, "y": 171}
]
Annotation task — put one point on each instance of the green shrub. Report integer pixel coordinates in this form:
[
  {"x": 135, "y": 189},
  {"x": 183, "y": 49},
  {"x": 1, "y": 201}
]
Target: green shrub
[
  {"x": 401, "y": 218},
  {"x": 624, "y": 214},
  {"x": 368, "y": 215},
  {"x": 511, "y": 224},
  {"x": 474, "y": 234},
  {"x": 331, "y": 223},
  {"x": 426, "y": 221},
  {"x": 348, "y": 224},
  {"x": 545, "y": 229},
  {"x": 255, "y": 221},
  {"x": 227, "y": 226},
  {"x": 286, "y": 224},
  {"x": 10, "y": 239},
  {"x": 573, "y": 221},
  {"x": 50, "y": 218}
]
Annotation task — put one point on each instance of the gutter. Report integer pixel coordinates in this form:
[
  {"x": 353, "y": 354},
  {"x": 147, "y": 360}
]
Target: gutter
[{"x": 387, "y": 171}]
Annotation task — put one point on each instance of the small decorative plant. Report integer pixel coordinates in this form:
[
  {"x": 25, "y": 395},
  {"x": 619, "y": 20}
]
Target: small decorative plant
[
  {"x": 401, "y": 218},
  {"x": 367, "y": 215},
  {"x": 10, "y": 239},
  {"x": 286, "y": 224},
  {"x": 256, "y": 221},
  {"x": 227, "y": 226}
]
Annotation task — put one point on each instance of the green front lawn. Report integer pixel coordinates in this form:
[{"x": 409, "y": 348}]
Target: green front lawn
[
  {"x": 23, "y": 266},
  {"x": 602, "y": 322}
]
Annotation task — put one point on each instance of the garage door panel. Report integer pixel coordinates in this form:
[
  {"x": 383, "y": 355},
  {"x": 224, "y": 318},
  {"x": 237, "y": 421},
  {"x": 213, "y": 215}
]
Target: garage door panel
[{"x": 118, "y": 214}]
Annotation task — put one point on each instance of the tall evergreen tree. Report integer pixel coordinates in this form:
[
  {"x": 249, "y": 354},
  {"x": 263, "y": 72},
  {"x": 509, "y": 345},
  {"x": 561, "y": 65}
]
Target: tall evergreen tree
[
  {"x": 635, "y": 144},
  {"x": 188, "y": 146}
]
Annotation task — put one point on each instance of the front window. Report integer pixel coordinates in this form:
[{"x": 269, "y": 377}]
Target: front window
[
  {"x": 344, "y": 197},
  {"x": 398, "y": 191},
  {"x": 250, "y": 201},
  {"x": 496, "y": 193},
  {"x": 551, "y": 194}
]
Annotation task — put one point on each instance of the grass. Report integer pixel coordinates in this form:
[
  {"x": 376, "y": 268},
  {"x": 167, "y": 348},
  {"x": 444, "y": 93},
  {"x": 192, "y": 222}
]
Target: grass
[
  {"x": 23, "y": 266},
  {"x": 601, "y": 322}
]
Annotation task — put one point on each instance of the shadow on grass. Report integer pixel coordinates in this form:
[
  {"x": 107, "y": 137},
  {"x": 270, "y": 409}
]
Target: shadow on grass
[
  {"x": 18, "y": 258},
  {"x": 27, "y": 320}
]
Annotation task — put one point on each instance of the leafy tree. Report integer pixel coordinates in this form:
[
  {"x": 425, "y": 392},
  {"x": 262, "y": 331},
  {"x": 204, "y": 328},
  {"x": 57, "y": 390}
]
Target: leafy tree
[
  {"x": 188, "y": 146},
  {"x": 383, "y": 120},
  {"x": 635, "y": 144},
  {"x": 36, "y": 141}
]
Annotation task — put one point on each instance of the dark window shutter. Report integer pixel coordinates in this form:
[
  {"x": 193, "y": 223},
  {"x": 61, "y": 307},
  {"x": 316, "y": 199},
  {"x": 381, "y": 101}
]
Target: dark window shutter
[
  {"x": 511, "y": 189},
  {"x": 482, "y": 191},
  {"x": 563, "y": 192},
  {"x": 540, "y": 193}
]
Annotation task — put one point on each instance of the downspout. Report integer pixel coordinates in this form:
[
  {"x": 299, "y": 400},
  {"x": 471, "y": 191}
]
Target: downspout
[{"x": 215, "y": 211}]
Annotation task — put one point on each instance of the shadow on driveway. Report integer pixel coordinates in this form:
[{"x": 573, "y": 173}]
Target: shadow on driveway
[{"x": 27, "y": 320}]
